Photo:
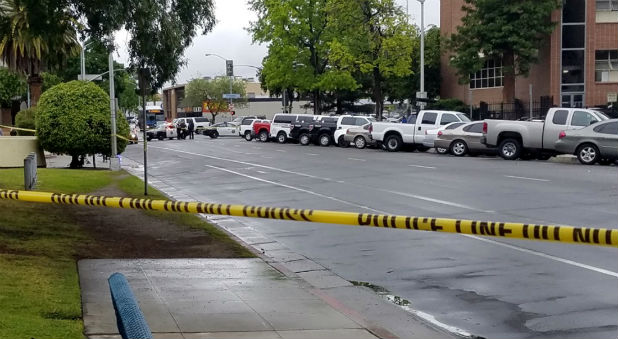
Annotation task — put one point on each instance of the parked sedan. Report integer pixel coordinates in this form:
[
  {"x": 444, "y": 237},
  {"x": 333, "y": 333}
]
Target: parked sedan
[
  {"x": 222, "y": 129},
  {"x": 592, "y": 144},
  {"x": 465, "y": 139},
  {"x": 360, "y": 136},
  {"x": 432, "y": 134}
]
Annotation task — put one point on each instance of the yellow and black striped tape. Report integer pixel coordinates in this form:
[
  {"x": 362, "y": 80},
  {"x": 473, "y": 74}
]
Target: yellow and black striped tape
[
  {"x": 554, "y": 233},
  {"x": 18, "y": 128}
]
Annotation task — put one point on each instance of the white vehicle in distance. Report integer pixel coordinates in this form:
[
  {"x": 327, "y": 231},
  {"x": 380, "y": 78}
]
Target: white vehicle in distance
[
  {"x": 282, "y": 124},
  {"x": 395, "y": 135},
  {"x": 432, "y": 134},
  {"x": 222, "y": 129},
  {"x": 346, "y": 122},
  {"x": 199, "y": 122}
]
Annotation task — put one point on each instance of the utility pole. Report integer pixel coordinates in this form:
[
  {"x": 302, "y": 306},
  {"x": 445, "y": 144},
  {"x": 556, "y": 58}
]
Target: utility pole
[
  {"x": 142, "y": 82},
  {"x": 82, "y": 62},
  {"x": 114, "y": 161},
  {"x": 423, "y": 50},
  {"x": 530, "y": 90}
]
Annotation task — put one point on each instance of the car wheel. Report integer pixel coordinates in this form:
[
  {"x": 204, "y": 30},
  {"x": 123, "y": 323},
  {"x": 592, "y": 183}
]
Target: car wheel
[
  {"x": 324, "y": 140},
  {"x": 360, "y": 142},
  {"x": 161, "y": 137},
  {"x": 304, "y": 139},
  {"x": 342, "y": 143},
  {"x": 282, "y": 138},
  {"x": 214, "y": 135},
  {"x": 393, "y": 143},
  {"x": 441, "y": 150},
  {"x": 605, "y": 162},
  {"x": 588, "y": 154},
  {"x": 263, "y": 136},
  {"x": 509, "y": 149},
  {"x": 459, "y": 148},
  {"x": 148, "y": 138},
  {"x": 248, "y": 136}
]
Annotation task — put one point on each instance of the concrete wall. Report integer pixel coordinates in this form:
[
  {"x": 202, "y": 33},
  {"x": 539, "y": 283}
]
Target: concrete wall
[{"x": 13, "y": 150}]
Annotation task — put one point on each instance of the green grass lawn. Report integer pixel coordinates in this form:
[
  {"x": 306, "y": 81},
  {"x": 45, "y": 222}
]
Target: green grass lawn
[{"x": 39, "y": 287}]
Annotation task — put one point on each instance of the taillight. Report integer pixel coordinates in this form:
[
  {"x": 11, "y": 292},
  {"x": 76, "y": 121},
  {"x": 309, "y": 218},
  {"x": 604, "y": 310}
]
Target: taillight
[
  {"x": 562, "y": 134},
  {"x": 485, "y": 127}
]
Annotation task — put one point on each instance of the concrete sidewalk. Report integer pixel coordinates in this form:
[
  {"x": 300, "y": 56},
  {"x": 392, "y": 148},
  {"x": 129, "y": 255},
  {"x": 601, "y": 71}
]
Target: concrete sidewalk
[{"x": 212, "y": 298}]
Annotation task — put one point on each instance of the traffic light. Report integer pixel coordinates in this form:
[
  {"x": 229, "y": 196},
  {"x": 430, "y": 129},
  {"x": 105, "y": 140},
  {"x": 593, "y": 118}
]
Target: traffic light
[
  {"x": 233, "y": 112},
  {"x": 229, "y": 68}
]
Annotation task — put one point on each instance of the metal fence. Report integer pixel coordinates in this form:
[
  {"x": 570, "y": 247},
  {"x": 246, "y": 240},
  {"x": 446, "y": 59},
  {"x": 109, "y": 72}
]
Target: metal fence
[
  {"x": 518, "y": 110},
  {"x": 30, "y": 165}
]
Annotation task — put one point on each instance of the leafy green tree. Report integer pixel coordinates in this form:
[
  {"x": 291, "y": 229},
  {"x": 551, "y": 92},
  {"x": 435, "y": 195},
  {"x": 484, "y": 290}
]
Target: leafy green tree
[
  {"x": 373, "y": 38},
  {"x": 508, "y": 30},
  {"x": 31, "y": 43},
  {"x": 49, "y": 80},
  {"x": 198, "y": 91},
  {"x": 298, "y": 49},
  {"x": 11, "y": 86},
  {"x": 74, "y": 118},
  {"x": 405, "y": 88}
]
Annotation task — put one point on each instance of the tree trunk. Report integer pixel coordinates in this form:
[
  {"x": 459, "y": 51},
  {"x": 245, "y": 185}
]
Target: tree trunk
[
  {"x": 339, "y": 105},
  {"x": 35, "y": 83},
  {"x": 76, "y": 162},
  {"x": 214, "y": 115},
  {"x": 316, "y": 102},
  {"x": 508, "y": 69},
  {"x": 377, "y": 93}
]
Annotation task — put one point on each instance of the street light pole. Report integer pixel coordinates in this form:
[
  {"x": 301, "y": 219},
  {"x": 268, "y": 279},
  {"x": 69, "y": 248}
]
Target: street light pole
[
  {"x": 82, "y": 62},
  {"x": 112, "y": 106},
  {"x": 422, "y": 45}
]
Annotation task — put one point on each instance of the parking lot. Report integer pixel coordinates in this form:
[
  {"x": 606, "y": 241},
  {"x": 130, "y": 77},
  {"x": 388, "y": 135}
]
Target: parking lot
[{"x": 487, "y": 287}]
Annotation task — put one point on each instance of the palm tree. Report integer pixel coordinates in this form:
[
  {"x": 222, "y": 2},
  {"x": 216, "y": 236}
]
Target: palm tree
[{"x": 30, "y": 50}]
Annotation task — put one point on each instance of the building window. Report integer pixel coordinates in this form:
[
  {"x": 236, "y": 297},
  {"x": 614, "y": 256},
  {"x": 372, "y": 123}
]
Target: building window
[
  {"x": 606, "y": 66},
  {"x": 489, "y": 76},
  {"x": 607, "y": 5}
]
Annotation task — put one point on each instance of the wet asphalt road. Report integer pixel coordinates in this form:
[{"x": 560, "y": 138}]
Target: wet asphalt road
[{"x": 493, "y": 288}]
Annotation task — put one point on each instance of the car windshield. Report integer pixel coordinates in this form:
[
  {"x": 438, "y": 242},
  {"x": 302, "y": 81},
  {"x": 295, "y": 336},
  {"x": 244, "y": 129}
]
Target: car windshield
[
  {"x": 201, "y": 120},
  {"x": 463, "y": 117}
]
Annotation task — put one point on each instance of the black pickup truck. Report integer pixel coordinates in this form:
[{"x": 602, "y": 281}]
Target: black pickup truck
[{"x": 320, "y": 131}]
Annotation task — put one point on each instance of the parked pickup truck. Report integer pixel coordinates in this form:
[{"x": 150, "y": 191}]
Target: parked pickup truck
[
  {"x": 530, "y": 139},
  {"x": 395, "y": 135}
]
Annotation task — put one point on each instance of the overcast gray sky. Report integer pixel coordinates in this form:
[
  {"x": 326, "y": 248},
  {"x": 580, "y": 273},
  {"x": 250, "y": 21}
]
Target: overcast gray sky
[{"x": 230, "y": 40}]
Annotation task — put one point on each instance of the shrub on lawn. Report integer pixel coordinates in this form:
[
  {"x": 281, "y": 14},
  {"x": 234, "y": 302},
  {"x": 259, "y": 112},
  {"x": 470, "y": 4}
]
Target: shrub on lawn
[
  {"x": 25, "y": 119},
  {"x": 74, "y": 118}
]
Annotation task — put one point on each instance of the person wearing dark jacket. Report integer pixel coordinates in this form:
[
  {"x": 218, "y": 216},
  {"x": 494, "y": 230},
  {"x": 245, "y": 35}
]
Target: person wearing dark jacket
[{"x": 191, "y": 128}]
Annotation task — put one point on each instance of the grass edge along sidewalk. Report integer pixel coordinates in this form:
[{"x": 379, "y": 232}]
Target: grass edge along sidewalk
[
  {"x": 551, "y": 233},
  {"x": 39, "y": 286}
]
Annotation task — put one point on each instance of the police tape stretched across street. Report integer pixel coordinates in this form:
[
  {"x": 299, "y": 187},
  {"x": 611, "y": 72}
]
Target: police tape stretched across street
[{"x": 555, "y": 233}]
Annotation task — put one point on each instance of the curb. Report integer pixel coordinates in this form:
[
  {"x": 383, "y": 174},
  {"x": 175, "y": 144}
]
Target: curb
[{"x": 317, "y": 279}]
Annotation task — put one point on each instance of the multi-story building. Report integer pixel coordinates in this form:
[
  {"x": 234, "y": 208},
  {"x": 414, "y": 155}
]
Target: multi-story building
[{"x": 577, "y": 67}]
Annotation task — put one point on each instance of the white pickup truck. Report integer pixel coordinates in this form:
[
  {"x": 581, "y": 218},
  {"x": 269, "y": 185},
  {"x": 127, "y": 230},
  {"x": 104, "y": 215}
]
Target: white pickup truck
[
  {"x": 529, "y": 139},
  {"x": 395, "y": 135}
]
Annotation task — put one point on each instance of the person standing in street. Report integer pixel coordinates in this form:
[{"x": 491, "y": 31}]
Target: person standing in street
[{"x": 191, "y": 129}]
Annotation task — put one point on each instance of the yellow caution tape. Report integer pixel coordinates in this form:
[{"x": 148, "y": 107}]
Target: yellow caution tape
[
  {"x": 19, "y": 128},
  {"x": 124, "y": 138},
  {"x": 554, "y": 233}
]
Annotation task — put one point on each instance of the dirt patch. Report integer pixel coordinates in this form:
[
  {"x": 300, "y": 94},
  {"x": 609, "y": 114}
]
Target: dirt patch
[{"x": 127, "y": 233}]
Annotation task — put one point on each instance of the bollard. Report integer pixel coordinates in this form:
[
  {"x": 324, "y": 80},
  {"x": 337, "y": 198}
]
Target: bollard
[
  {"x": 30, "y": 165},
  {"x": 129, "y": 318}
]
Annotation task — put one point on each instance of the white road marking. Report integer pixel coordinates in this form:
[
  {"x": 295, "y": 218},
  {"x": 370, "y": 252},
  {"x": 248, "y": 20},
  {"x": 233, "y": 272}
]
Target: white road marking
[
  {"x": 296, "y": 189},
  {"x": 437, "y": 201},
  {"x": 547, "y": 256},
  {"x": 280, "y": 150},
  {"x": 419, "y": 166},
  {"x": 523, "y": 250},
  {"x": 356, "y": 159},
  {"x": 526, "y": 178},
  {"x": 261, "y": 172},
  {"x": 246, "y": 163},
  {"x": 311, "y": 154}
]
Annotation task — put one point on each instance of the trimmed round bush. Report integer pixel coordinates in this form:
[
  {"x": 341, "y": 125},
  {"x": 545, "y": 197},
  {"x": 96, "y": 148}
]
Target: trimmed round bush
[
  {"x": 25, "y": 119},
  {"x": 74, "y": 118}
]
